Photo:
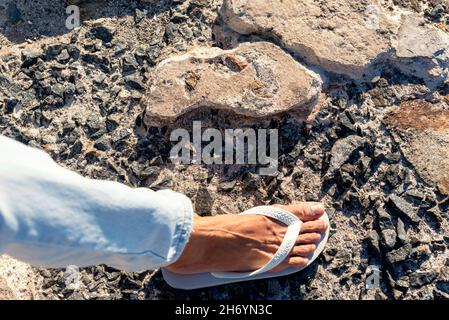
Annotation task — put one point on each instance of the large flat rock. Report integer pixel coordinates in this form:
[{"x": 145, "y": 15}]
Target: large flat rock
[
  {"x": 255, "y": 80},
  {"x": 422, "y": 131},
  {"x": 422, "y": 50},
  {"x": 353, "y": 38},
  {"x": 346, "y": 37}
]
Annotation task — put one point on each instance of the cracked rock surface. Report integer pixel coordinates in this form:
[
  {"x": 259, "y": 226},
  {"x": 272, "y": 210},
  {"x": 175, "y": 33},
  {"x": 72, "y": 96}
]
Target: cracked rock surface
[
  {"x": 346, "y": 37},
  {"x": 422, "y": 131},
  {"x": 255, "y": 80},
  {"x": 337, "y": 35}
]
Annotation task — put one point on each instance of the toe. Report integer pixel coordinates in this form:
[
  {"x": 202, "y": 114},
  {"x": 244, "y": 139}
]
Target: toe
[
  {"x": 291, "y": 262},
  {"x": 303, "y": 250},
  {"x": 297, "y": 261},
  {"x": 306, "y": 238},
  {"x": 313, "y": 226},
  {"x": 306, "y": 211}
]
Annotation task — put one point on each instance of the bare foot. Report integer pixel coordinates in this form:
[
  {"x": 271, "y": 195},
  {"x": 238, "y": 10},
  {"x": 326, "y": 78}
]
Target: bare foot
[{"x": 247, "y": 242}]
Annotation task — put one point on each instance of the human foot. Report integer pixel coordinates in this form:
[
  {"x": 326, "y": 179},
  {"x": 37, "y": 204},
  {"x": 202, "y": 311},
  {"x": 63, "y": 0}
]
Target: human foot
[{"x": 247, "y": 242}]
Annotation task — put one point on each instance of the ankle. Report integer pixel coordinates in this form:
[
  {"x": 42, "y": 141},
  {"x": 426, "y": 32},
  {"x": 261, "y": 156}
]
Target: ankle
[{"x": 197, "y": 248}]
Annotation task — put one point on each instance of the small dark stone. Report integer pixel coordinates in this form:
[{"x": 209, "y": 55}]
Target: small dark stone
[
  {"x": 204, "y": 201},
  {"x": 103, "y": 144},
  {"x": 178, "y": 17},
  {"x": 393, "y": 175},
  {"x": 402, "y": 284},
  {"x": 139, "y": 15},
  {"x": 443, "y": 286},
  {"x": 165, "y": 183},
  {"x": 5, "y": 81},
  {"x": 420, "y": 253},
  {"x": 440, "y": 295},
  {"x": 251, "y": 181},
  {"x": 76, "y": 149},
  {"x": 95, "y": 59},
  {"x": 401, "y": 207},
  {"x": 104, "y": 33},
  {"x": 74, "y": 52},
  {"x": 120, "y": 135},
  {"x": 129, "y": 283},
  {"x": 363, "y": 166},
  {"x": 134, "y": 83},
  {"x": 129, "y": 63},
  {"x": 119, "y": 49},
  {"x": 351, "y": 199},
  {"x": 393, "y": 157},
  {"x": 400, "y": 229},
  {"x": 419, "y": 279},
  {"x": 198, "y": 3},
  {"x": 149, "y": 172},
  {"x": 345, "y": 122},
  {"x": 11, "y": 104},
  {"x": 416, "y": 194},
  {"x": 388, "y": 238},
  {"x": 438, "y": 245},
  {"x": 111, "y": 124},
  {"x": 330, "y": 212},
  {"x": 58, "y": 90},
  {"x": 343, "y": 150},
  {"x": 385, "y": 221},
  {"x": 399, "y": 255},
  {"x": 170, "y": 31},
  {"x": 153, "y": 53},
  {"x": 53, "y": 50},
  {"x": 94, "y": 123},
  {"x": 437, "y": 12},
  {"x": 226, "y": 186},
  {"x": 435, "y": 214},
  {"x": 373, "y": 241},
  {"x": 63, "y": 57},
  {"x": 30, "y": 57}
]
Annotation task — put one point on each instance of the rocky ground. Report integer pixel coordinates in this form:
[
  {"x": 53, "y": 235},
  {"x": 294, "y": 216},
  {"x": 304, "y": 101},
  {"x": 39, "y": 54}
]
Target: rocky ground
[{"x": 357, "y": 89}]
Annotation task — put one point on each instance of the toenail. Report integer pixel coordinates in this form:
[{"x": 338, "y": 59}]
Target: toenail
[
  {"x": 316, "y": 209},
  {"x": 321, "y": 225}
]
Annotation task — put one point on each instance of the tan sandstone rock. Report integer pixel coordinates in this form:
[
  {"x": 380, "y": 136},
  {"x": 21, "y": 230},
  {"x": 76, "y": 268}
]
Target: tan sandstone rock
[
  {"x": 422, "y": 50},
  {"x": 18, "y": 280},
  {"x": 5, "y": 291},
  {"x": 354, "y": 38},
  {"x": 255, "y": 80},
  {"x": 422, "y": 131},
  {"x": 346, "y": 37}
]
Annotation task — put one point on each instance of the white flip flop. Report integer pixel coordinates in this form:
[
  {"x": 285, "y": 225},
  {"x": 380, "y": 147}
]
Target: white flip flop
[{"x": 209, "y": 279}]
